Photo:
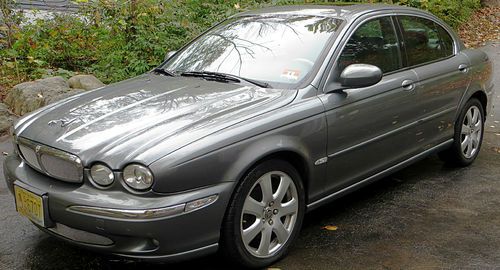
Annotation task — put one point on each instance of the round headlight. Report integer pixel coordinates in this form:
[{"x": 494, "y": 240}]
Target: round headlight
[
  {"x": 138, "y": 177},
  {"x": 102, "y": 175}
]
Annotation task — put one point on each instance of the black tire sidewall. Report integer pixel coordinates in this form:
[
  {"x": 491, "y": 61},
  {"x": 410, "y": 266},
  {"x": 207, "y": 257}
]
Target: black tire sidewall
[{"x": 231, "y": 240}]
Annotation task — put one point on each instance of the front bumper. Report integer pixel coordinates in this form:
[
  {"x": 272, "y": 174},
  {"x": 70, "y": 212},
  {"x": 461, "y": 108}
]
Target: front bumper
[{"x": 164, "y": 237}]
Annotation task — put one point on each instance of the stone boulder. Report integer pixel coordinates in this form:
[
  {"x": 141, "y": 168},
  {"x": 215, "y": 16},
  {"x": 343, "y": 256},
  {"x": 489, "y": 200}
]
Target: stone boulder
[
  {"x": 29, "y": 96},
  {"x": 6, "y": 118},
  {"x": 86, "y": 82}
]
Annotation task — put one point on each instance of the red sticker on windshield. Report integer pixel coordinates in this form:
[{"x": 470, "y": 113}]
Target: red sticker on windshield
[{"x": 291, "y": 74}]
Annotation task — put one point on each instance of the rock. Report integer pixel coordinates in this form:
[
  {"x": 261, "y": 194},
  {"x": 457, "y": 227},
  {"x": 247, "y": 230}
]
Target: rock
[
  {"x": 86, "y": 82},
  {"x": 29, "y": 96},
  {"x": 6, "y": 118}
]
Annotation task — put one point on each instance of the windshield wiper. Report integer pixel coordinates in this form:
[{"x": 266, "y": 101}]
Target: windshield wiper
[
  {"x": 164, "y": 72},
  {"x": 223, "y": 77}
]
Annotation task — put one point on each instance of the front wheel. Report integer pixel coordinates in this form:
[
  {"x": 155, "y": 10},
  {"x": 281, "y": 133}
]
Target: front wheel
[
  {"x": 264, "y": 216},
  {"x": 468, "y": 135}
]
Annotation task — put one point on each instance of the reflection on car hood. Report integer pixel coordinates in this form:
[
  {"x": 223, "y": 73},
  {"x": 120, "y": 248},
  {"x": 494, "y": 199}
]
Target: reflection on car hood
[{"x": 124, "y": 122}]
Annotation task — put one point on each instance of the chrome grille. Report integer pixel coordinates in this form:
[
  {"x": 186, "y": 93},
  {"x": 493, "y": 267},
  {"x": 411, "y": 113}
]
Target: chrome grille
[
  {"x": 29, "y": 156},
  {"x": 50, "y": 161}
]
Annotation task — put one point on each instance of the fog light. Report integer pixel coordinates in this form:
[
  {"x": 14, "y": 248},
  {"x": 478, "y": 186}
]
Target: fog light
[
  {"x": 138, "y": 177},
  {"x": 194, "y": 205},
  {"x": 102, "y": 175}
]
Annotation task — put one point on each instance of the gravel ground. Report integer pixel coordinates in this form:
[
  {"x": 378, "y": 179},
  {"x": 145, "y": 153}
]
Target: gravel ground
[{"x": 427, "y": 216}]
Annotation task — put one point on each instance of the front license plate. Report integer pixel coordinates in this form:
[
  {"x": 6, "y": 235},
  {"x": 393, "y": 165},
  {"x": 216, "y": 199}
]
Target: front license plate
[{"x": 30, "y": 205}]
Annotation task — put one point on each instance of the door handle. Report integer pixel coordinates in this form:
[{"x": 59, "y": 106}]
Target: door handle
[
  {"x": 408, "y": 85},
  {"x": 463, "y": 68}
]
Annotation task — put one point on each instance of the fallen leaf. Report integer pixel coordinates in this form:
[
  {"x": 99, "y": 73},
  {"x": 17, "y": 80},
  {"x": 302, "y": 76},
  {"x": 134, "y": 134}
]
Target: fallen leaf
[
  {"x": 496, "y": 149},
  {"x": 330, "y": 228},
  {"x": 483, "y": 28},
  {"x": 40, "y": 95}
]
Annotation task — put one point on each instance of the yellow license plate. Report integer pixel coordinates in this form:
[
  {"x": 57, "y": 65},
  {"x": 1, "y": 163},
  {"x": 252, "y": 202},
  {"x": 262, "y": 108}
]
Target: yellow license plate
[{"x": 29, "y": 205}]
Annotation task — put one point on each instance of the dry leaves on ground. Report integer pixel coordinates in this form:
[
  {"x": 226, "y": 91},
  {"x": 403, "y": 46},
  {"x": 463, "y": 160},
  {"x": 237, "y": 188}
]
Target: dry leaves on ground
[
  {"x": 481, "y": 27},
  {"x": 331, "y": 228}
]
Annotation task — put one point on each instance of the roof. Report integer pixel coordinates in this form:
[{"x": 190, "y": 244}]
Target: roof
[
  {"x": 337, "y": 11},
  {"x": 49, "y": 5}
]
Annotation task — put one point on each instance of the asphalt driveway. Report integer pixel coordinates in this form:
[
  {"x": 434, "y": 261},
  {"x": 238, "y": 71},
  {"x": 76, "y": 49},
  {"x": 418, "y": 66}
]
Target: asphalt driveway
[{"x": 427, "y": 216}]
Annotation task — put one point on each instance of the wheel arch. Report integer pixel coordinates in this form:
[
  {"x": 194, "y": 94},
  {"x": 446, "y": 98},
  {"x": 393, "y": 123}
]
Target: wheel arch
[
  {"x": 480, "y": 95},
  {"x": 296, "y": 156}
]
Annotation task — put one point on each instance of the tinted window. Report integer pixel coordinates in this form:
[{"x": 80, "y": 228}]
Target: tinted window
[
  {"x": 446, "y": 41},
  {"x": 375, "y": 43},
  {"x": 423, "y": 40},
  {"x": 280, "y": 49}
]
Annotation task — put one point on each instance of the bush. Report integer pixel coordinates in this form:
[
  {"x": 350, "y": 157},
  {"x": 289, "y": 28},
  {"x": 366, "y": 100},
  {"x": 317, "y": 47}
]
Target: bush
[{"x": 119, "y": 39}]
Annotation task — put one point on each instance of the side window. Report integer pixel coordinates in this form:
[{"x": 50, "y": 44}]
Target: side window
[
  {"x": 446, "y": 41},
  {"x": 374, "y": 43},
  {"x": 423, "y": 40}
]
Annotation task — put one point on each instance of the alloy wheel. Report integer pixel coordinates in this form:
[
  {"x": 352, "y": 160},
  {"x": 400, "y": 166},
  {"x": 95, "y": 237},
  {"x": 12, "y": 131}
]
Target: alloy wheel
[
  {"x": 269, "y": 214},
  {"x": 472, "y": 128}
]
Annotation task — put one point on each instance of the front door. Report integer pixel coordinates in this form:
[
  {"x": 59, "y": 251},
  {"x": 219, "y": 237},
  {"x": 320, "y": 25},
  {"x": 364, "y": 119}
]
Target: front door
[{"x": 370, "y": 128}]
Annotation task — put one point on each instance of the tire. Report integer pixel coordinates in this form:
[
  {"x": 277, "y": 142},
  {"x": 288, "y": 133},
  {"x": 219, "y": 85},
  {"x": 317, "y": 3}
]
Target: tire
[
  {"x": 469, "y": 131},
  {"x": 249, "y": 224}
]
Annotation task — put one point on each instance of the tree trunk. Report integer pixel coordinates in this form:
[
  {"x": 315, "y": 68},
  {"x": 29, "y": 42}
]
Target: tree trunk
[{"x": 490, "y": 3}]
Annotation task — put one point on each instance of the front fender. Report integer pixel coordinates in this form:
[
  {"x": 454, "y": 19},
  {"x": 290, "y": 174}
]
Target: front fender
[
  {"x": 305, "y": 138},
  {"x": 266, "y": 147}
]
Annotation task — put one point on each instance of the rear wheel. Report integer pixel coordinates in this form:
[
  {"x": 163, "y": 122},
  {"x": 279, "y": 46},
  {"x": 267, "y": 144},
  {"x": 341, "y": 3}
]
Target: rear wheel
[
  {"x": 468, "y": 135},
  {"x": 265, "y": 215}
]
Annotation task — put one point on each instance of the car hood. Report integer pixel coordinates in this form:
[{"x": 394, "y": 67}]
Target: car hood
[{"x": 147, "y": 117}]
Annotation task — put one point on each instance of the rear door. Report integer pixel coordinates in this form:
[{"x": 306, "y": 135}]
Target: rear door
[
  {"x": 370, "y": 128},
  {"x": 442, "y": 76}
]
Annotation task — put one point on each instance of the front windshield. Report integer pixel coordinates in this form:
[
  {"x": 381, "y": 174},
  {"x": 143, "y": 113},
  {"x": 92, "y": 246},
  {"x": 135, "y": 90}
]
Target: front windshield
[{"x": 278, "y": 49}]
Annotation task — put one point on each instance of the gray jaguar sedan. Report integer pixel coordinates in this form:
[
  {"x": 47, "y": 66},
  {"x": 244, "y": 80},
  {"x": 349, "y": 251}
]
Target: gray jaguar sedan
[{"x": 267, "y": 115}]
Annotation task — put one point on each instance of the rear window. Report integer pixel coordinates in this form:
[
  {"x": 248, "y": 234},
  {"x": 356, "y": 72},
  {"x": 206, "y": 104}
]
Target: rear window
[{"x": 424, "y": 40}]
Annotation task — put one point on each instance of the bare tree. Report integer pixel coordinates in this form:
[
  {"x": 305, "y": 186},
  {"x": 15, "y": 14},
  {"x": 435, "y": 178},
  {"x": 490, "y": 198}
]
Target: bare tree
[{"x": 490, "y": 3}]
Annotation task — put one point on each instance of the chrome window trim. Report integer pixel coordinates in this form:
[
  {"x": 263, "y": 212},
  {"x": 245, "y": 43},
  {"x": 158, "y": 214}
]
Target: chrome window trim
[
  {"x": 44, "y": 149},
  {"x": 344, "y": 38},
  {"x": 362, "y": 23},
  {"x": 325, "y": 72},
  {"x": 455, "y": 44},
  {"x": 432, "y": 19}
]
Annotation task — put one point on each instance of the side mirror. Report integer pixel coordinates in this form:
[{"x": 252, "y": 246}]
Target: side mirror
[
  {"x": 360, "y": 75},
  {"x": 169, "y": 55}
]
